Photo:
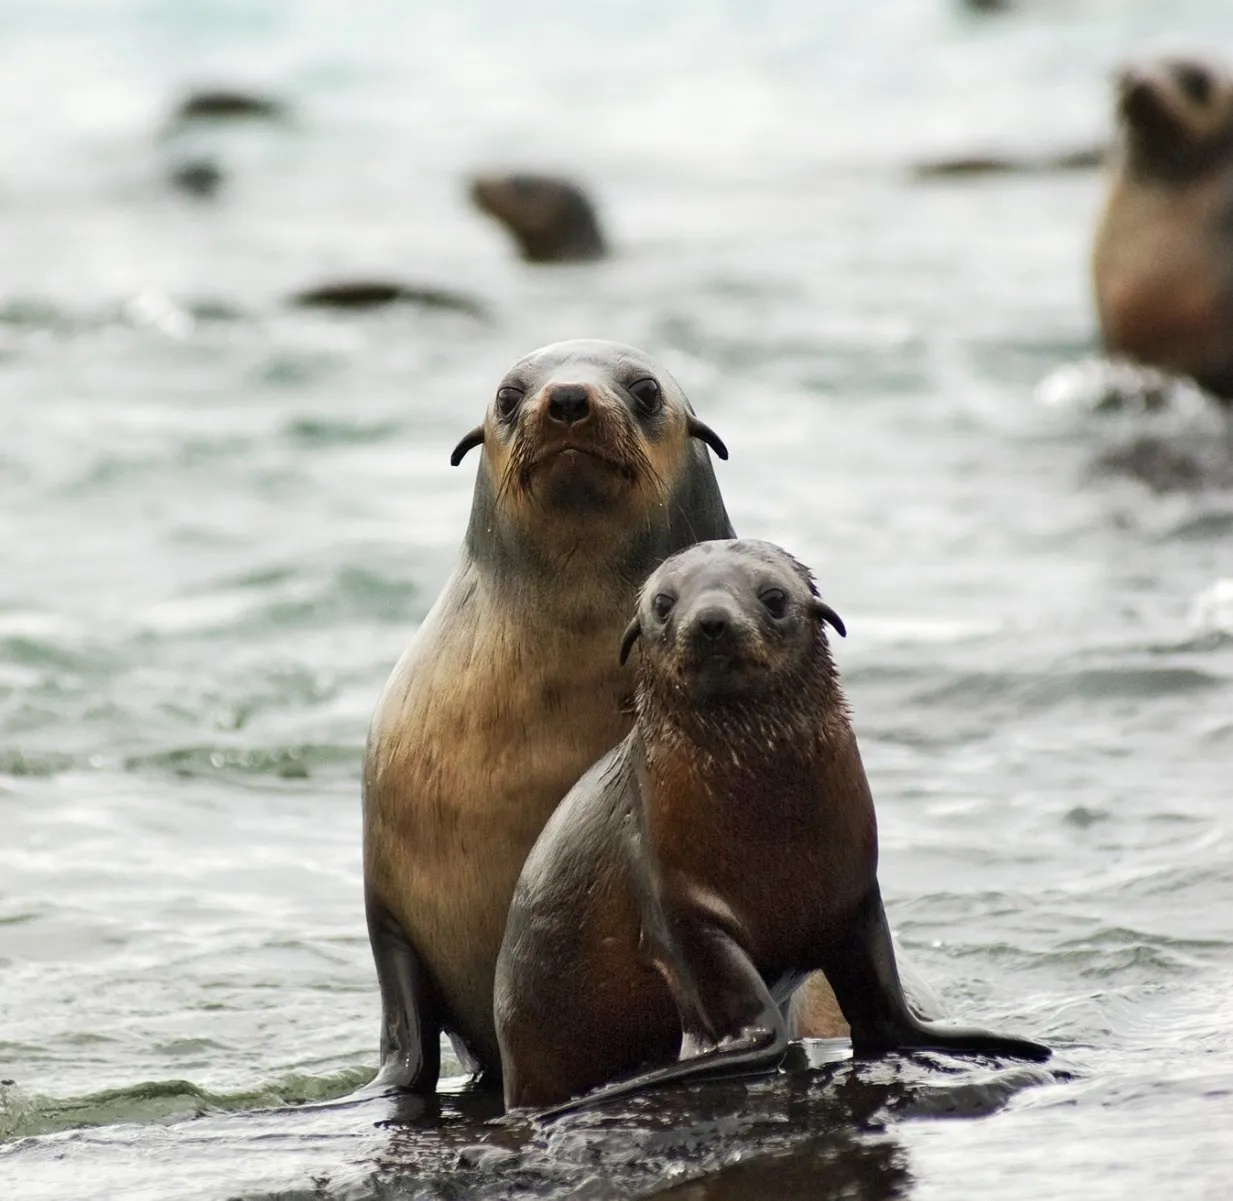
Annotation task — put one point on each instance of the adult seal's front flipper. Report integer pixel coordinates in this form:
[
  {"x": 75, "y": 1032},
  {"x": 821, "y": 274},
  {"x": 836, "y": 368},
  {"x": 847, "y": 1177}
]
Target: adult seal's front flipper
[
  {"x": 410, "y": 1022},
  {"x": 866, "y": 983}
]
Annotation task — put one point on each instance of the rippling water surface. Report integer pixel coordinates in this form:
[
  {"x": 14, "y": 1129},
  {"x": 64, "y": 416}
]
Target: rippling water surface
[{"x": 220, "y": 520}]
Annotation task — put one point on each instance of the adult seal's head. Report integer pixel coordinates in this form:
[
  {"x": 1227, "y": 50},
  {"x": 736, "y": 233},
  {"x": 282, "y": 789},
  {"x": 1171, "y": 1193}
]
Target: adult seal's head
[
  {"x": 592, "y": 469},
  {"x": 552, "y": 220},
  {"x": 1163, "y": 258},
  {"x": 599, "y": 432}
]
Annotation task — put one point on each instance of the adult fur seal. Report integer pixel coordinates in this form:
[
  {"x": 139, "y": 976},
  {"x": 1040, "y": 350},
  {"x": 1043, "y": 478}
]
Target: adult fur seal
[
  {"x": 1163, "y": 260},
  {"x": 593, "y": 470},
  {"x": 726, "y": 848},
  {"x": 551, "y": 219}
]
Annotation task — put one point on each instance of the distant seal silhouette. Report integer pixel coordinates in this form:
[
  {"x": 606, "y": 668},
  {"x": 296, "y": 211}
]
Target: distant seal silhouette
[
  {"x": 357, "y": 295},
  {"x": 690, "y": 881},
  {"x": 551, "y": 219},
  {"x": 1162, "y": 264},
  {"x": 594, "y": 469},
  {"x": 228, "y": 104}
]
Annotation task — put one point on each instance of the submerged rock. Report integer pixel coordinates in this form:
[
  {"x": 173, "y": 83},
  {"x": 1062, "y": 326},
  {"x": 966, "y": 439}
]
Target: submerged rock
[
  {"x": 199, "y": 178},
  {"x": 229, "y": 104},
  {"x": 358, "y": 295}
]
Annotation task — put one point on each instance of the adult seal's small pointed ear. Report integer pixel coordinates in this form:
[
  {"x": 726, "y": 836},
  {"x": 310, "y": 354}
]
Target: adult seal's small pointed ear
[
  {"x": 632, "y": 633},
  {"x": 469, "y": 441},
  {"x": 510, "y": 688},
  {"x": 702, "y": 431}
]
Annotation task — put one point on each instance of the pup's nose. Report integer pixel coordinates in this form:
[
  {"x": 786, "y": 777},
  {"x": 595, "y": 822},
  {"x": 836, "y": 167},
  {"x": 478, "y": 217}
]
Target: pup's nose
[
  {"x": 712, "y": 624},
  {"x": 568, "y": 403}
]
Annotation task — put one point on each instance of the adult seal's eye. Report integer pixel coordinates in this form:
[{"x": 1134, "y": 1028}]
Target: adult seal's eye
[
  {"x": 775, "y": 601},
  {"x": 647, "y": 395},
  {"x": 508, "y": 400},
  {"x": 662, "y": 605},
  {"x": 1195, "y": 82}
]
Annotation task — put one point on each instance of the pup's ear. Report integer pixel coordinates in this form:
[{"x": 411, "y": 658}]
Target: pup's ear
[
  {"x": 633, "y": 632},
  {"x": 823, "y": 612}
]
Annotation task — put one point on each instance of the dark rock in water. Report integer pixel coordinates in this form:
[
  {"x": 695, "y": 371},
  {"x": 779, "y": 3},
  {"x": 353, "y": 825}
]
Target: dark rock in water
[
  {"x": 200, "y": 178},
  {"x": 551, "y": 219},
  {"x": 965, "y": 166},
  {"x": 361, "y": 294},
  {"x": 225, "y": 104},
  {"x": 821, "y": 1171}
]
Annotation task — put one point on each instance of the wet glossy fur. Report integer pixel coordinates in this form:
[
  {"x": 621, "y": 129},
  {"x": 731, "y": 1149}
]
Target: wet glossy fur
[{"x": 690, "y": 882}]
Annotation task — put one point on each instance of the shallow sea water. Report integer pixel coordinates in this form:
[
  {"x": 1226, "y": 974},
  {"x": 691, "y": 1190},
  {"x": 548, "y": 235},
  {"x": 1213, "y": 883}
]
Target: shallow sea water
[{"x": 221, "y": 519}]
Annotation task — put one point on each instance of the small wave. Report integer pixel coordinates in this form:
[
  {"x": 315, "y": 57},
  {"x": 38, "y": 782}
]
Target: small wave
[
  {"x": 15, "y": 762},
  {"x": 283, "y": 598},
  {"x": 285, "y": 762},
  {"x": 1100, "y": 385},
  {"x": 1061, "y": 687},
  {"x": 1115, "y": 952},
  {"x": 1212, "y": 610},
  {"x": 318, "y": 431},
  {"x": 24, "y": 1115}
]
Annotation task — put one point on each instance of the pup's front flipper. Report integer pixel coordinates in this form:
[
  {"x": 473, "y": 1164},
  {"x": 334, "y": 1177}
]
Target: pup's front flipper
[
  {"x": 731, "y": 1025},
  {"x": 860, "y": 965}
]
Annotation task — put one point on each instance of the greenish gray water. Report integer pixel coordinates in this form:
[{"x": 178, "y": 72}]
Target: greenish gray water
[{"x": 222, "y": 518}]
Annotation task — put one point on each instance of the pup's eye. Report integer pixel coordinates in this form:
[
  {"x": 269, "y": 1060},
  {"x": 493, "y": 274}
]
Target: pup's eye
[
  {"x": 776, "y": 601},
  {"x": 662, "y": 605},
  {"x": 1195, "y": 82},
  {"x": 508, "y": 399},
  {"x": 647, "y": 395}
]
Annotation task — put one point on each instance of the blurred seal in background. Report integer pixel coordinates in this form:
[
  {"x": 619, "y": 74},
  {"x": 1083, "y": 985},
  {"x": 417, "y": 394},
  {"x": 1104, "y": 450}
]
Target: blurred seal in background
[
  {"x": 1163, "y": 260},
  {"x": 552, "y": 220}
]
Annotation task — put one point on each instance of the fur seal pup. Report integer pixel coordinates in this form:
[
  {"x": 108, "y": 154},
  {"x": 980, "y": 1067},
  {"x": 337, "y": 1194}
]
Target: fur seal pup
[
  {"x": 593, "y": 470},
  {"x": 551, "y": 219},
  {"x": 1162, "y": 265},
  {"x": 725, "y": 849}
]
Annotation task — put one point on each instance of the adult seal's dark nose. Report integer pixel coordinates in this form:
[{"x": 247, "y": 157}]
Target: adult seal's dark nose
[{"x": 568, "y": 403}]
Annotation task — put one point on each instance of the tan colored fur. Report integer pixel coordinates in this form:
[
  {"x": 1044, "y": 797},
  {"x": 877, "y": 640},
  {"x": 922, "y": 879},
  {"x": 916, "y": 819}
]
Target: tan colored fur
[
  {"x": 1162, "y": 262},
  {"x": 509, "y": 692},
  {"x": 476, "y": 738},
  {"x": 1161, "y": 271}
]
